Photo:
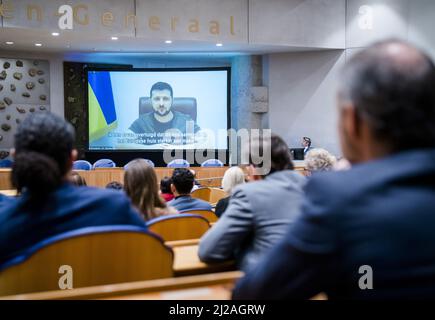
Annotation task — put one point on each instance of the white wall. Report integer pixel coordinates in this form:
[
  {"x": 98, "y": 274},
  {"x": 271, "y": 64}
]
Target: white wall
[
  {"x": 302, "y": 90},
  {"x": 302, "y": 85}
]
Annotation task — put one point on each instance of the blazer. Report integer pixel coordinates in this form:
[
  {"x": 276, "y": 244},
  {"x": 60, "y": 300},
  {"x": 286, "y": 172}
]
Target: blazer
[
  {"x": 372, "y": 224},
  {"x": 258, "y": 216},
  {"x": 221, "y": 206},
  {"x": 23, "y": 224},
  {"x": 187, "y": 203}
]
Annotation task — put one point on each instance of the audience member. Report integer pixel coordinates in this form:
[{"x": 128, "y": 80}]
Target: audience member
[
  {"x": 258, "y": 213},
  {"x": 49, "y": 204},
  {"x": 77, "y": 179},
  {"x": 115, "y": 185},
  {"x": 140, "y": 184},
  {"x": 232, "y": 177},
  {"x": 196, "y": 184},
  {"x": 373, "y": 224},
  {"x": 182, "y": 184},
  {"x": 165, "y": 189},
  {"x": 318, "y": 160}
]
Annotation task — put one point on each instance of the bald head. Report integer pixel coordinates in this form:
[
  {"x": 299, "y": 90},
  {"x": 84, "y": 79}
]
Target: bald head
[{"x": 391, "y": 86}]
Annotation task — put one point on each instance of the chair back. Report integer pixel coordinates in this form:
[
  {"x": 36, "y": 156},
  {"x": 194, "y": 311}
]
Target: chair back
[
  {"x": 202, "y": 193},
  {"x": 91, "y": 256},
  {"x": 212, "y": 163},
  {"x": 178, "y": 163},
  {"x": 209, "y": 215},
  {"x": 211, "y": 195},
  {"x": 183, "y": 105},
  {"x": 82, "y": 165},
  {"x": 104, "y": 163},
  {"x": 179, "y": 226}
]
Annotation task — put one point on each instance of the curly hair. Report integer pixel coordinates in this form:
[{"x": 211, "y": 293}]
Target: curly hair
[{"x": 319, "y": 160}]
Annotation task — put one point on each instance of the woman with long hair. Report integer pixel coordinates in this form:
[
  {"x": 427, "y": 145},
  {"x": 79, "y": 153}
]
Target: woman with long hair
[
  {"x": 49, "y": 204},
  {"x": 141, "y": 185}
]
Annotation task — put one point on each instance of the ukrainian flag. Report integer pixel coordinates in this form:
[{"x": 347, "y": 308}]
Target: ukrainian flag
[{"x": 102, "y": 112}]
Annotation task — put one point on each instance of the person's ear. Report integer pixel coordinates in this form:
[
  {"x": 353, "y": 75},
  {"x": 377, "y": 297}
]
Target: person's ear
[
  {"x": 12, "y": 152},
  {"x": 173, "y": 190},
  {"x": 350, "y": 122},
  {"x": 74, "y": 155}
]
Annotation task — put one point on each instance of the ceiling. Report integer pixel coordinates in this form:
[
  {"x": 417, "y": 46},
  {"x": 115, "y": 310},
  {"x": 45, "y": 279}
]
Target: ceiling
[{"x": 69, "y": 42}]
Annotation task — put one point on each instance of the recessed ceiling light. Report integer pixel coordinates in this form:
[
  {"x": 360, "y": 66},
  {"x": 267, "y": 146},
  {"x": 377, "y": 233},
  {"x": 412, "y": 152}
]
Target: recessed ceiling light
[
  {"x": 38, "y": 44},
  {"x": 114, "y": 38},
  {"x": 219, "y": 44},
  {"x": 9, "y": 42},
  {"x": 168, "y": 41},
  {"x": 55, "y": 34}
]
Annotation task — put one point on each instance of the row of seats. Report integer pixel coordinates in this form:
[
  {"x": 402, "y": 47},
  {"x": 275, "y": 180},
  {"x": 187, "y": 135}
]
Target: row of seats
[
  {"x": 108, "y": 163},
  {"x": 140, "y": 254}
]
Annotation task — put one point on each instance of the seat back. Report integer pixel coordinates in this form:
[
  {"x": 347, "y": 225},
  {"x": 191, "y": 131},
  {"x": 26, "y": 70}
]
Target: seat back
[
  {"x": 211, "y": 195},
  {"x": 179, "y": 227},
  {"x": 82, "y": 165},
  {"x": 183, "y": 105},
  {"x": 202, "y": 193},
  {"x": 96, "y": 255},
  {"x": 216, "y": 194},
  {"x": 104, "y": 163},
  {"x": 209, "y": 215},
  {"x": 178, "y": 163},
  {"x": 212, "y": 163}
]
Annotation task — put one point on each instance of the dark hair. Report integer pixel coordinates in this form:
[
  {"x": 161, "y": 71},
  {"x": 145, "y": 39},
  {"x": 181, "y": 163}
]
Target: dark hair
[
  {"x": 183, "y": 180},
  {"x": 115, "y": 185},
  {"x": 394, "y": 92},
  {"x": 43, "y": 145},
  {"x": 280, "y": 157},
  {"x": 161, "y": 86},
  {"x": 77, "y": 180},
  {"x": 165, "y": 185},
  {"x": 307, "y": 140}
]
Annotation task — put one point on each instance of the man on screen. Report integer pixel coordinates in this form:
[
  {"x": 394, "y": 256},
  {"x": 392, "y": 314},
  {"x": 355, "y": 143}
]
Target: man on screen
[{"x": 164, "y": 121}]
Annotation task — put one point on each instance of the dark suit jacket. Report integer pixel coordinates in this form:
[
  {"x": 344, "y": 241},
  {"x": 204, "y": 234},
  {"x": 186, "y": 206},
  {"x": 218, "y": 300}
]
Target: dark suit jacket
[
  {"x": 379, "y": 214},
  {"x": 221, "y": 206},
  {"x": 24, "y": 224}
]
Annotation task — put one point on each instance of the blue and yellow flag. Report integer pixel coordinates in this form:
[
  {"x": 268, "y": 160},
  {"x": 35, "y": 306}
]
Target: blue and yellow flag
[{"x": 102, "y": 112}]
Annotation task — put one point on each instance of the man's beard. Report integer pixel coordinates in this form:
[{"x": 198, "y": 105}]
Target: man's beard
[{"x": 163, "y": 114}]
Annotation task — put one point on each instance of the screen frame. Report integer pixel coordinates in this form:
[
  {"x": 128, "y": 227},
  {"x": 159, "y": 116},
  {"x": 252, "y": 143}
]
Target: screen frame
[{"x": 184, "y": 69}]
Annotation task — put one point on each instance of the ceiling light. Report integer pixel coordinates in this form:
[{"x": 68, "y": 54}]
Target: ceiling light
[
  {"x": 168, "y": 41},
  {"x": 114, "y": 38},
  {"x": 9, "y": 42},
  {"x": 55, "y": 34},
  {"x": 38, "y": 44},
  {"x": 219, "y": 44}
]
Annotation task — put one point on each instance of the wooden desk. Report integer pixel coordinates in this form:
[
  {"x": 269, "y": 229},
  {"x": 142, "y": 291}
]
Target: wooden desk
[
  {"x": 10, "y": 193},
  {"x": 209, "y": 177},
  {"x": 210, "y": 286},
  {"x": 186, "y": 262}
]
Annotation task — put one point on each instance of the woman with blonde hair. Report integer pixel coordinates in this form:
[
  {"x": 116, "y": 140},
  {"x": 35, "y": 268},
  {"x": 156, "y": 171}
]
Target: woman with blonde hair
[
  {"x": 318, "y": 160},
  {"x": 232, "y": 177},
  {"x": 141, "y": 185}
]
